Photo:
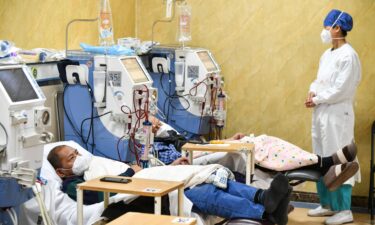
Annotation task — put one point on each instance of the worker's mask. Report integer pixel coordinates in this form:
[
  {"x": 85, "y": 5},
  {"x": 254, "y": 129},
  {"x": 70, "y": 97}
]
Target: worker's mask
[
  {"x": 81, "y": 164},
  {"x": 326, "y": 34}
]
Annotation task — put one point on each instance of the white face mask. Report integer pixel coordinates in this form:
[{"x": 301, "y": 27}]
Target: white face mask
[
  {"x": 81, "y": 164},
  {"x": 326, "y": 36}
]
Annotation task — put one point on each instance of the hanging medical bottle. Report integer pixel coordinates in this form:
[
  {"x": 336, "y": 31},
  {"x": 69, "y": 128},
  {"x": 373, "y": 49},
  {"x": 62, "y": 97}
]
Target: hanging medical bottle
[
  {"x": 147, "y": 130},
  {"x": 184, "y": 21},
  {"x": 105, "y": 24},
  {"x": 220, "y": 114}
]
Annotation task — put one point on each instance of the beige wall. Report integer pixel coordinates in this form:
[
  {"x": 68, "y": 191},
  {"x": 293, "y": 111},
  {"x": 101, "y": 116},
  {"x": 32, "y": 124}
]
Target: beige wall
[
  {"x": 42, "y": 23},
  {"x": 269, "y": 52}
]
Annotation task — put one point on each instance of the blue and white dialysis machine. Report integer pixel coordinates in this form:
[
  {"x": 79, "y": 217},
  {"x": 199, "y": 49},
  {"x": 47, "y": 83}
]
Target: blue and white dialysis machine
[{"x": 191, "y": 96}]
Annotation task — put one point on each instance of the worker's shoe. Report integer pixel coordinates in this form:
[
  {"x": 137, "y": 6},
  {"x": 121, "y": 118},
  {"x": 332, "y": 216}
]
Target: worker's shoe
[
  {"x": 338, "y": 174},
  {"x": 320, "y": 211},
  {"x": 346, "y": 154},
  {"x": 341, "y": 217}
]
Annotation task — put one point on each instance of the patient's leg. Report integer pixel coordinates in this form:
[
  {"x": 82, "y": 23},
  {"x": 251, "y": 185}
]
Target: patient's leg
[
  {"x": 270, "y": 198},
  {"x": 279, "y": 155},
  {"x": 241, "y": 201},
  {"x": 344, "y": 155},
  {"x": 209, "y": 199},
  {"x": 323, "y": 165}
]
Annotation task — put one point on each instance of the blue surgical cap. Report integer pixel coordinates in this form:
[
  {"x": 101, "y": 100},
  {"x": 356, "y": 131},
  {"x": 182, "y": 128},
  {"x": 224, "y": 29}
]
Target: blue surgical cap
[{"x": 345, "y": 21}]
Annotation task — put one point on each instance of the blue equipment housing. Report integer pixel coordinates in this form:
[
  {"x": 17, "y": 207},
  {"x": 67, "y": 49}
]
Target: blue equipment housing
[
  {"x": 12, "y": 195},
  {"x": 173, "y": 112},
  {"x": 82, "y": 123}
]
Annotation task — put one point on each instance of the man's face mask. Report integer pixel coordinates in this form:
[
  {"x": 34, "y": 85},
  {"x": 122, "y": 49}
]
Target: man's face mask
[
  {"x": 80, "y": 165},
  {"x": 326, "y": 36}
]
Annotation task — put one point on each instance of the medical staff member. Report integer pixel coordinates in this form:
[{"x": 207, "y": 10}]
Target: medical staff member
[{"x": 331, "y": 95}]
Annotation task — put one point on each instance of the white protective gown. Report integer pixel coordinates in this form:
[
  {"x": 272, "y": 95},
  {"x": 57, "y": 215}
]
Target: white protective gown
[{"x": 333, "y": 118}]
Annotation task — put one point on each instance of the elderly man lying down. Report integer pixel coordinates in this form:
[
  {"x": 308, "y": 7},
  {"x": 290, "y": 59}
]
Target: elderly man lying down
[
  {"x": 275, "y": 154},
  {"x": 209, "y": 188},
  {"x": 271, "y": 153}
]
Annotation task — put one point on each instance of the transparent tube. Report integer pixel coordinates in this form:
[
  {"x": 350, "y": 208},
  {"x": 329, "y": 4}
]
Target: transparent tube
[
  {"x": 221, "y": 102},
  {"x": 147, "y": 130},
  {"x": 220, "y": 112}
]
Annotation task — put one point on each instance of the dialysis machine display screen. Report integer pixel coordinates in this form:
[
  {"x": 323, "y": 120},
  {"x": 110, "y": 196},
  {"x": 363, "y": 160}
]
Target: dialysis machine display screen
[
  {"x": 207, "y": 61},
  {"x": 17, "y": 85},
  {"x": 135, "y": 70}
]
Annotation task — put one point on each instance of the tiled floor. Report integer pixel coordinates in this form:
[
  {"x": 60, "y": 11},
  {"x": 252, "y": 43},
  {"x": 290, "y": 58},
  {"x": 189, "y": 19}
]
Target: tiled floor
[{"x": 299, "y": 216}]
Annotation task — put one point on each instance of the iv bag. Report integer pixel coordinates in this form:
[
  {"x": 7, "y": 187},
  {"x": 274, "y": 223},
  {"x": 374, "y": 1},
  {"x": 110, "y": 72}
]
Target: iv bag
[
  {"x": 105, "y": 24},
  {"x": 184, "y": 21}
]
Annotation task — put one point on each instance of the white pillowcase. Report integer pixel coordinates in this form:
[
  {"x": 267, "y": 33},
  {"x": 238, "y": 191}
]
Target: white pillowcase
[{"x": 162, "y": 132}]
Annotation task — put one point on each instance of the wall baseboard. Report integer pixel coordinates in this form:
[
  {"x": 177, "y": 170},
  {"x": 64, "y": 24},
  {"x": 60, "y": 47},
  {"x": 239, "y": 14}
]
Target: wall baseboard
[{"x": 300, "y": 196}]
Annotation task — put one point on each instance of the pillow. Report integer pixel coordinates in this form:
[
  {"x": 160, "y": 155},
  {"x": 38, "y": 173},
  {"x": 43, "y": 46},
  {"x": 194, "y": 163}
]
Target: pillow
[
  {"x": 47, "y": 171},
  {"x": 162, "y": 132}
]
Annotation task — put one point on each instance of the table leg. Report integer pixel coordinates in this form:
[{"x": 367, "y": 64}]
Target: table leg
[
  {"x": 252, "y": 164},
  {"x": 191, "y": 157},
  {"x": 185, "y": 153},
  {"x": 248, "y": 166},
  {"x": 80, "y": 206},
  {"x": 106, "y": 199},
  {"x": 157, "y": 205},
  {"x": 181, "y": 201}
]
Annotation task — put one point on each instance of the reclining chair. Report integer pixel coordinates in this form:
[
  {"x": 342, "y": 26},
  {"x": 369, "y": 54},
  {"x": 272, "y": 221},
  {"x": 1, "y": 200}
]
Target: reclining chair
[{"x": 299, "y": 176}]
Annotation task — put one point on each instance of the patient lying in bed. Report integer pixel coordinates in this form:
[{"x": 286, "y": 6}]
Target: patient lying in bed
[
  {"x": 271, "y": 153},
  {"x": 275, "y": 154},
  {"x": 210, "y": 189}
]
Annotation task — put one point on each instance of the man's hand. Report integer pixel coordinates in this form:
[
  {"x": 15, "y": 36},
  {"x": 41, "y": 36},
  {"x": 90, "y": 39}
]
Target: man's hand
[
  {"x": 237, "y": 136},
  {"x": 136, "y": 168},
  {"x": 181, "y": 161},
  {"x": 156, "y": 124}
]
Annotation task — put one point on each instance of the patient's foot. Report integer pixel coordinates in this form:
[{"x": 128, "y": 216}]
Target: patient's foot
[
  {"x": 346, "y": 154},
  {"x": 338, "y": 174},
  {"x": 277, "y": 191},
  {"x": 280, "y": 215}
]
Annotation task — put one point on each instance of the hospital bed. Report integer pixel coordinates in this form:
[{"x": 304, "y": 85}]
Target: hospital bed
[{"x": 61, "y": 214}]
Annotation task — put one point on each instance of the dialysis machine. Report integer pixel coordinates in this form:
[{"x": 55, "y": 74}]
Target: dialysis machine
[
  {"x": 107, "y": 104},
  {"x": 191, "y": 97},
  {"x": 23, "y": 122}
]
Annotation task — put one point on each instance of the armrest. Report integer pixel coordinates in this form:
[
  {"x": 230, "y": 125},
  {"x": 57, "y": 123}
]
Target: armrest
[{"x": 304, "y": 175}]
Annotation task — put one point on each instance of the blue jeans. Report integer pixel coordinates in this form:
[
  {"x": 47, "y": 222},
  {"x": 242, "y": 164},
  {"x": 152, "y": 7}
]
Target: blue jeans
[{"x": 237, "y": 201}]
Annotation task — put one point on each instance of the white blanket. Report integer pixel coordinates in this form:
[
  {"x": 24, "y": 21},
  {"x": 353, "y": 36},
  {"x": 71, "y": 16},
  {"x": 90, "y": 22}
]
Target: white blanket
[
  {"x": 100, "y": 166},
  {"x": 191, "y": 175}
]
